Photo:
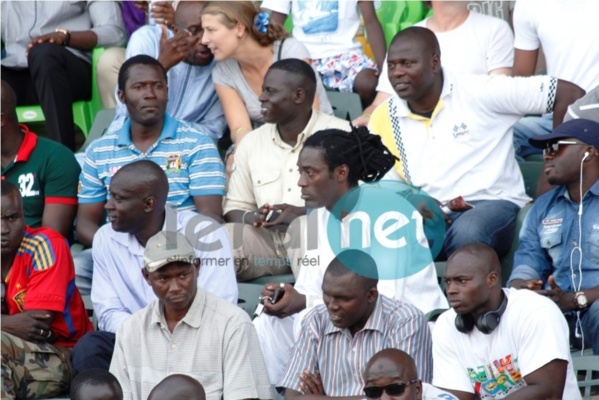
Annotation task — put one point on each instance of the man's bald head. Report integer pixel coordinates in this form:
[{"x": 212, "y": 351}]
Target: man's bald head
[
  {"x": 191, "y": 9},
  {"x": 390, "y": 366},
  {"x": 423, "y": 38},
  {"x": 148, "y": 177},
  {"x": 9, "y": 103},
  {"x": 391, "y": 361},
  {"x": 478, "y": 256},
  {"x": 178, "y": 387},
  {"x": 299, "y": 74}
]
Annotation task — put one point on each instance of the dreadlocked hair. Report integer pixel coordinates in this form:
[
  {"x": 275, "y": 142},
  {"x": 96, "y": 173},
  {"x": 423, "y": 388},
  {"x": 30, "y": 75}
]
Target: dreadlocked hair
[{"x": 365, "y": 154}]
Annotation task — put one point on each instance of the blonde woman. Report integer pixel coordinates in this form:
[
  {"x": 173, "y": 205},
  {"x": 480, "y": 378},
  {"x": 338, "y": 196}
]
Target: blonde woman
[{"x": 245, "y": 44}]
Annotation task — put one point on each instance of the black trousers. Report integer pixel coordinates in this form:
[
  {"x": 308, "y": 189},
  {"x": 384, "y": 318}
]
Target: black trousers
[{"x": 54, "y": 80}]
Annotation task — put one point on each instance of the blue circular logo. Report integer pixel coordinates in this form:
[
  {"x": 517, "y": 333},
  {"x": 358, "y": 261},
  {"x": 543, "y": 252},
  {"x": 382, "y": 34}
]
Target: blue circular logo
[{"x": 385, "y": 220}]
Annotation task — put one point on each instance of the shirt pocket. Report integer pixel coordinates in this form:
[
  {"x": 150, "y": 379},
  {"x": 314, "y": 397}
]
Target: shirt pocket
[
  {"x": 267, "y": 186},
  {"x": 593, "y": 248},
  {"x": 552, "y": 245}
]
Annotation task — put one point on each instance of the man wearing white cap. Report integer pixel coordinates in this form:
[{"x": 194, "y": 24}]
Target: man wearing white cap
[{"x": 187, "y": 331}]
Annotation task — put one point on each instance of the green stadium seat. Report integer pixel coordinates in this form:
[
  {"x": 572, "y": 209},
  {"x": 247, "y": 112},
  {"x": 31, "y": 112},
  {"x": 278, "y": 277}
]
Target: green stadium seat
[
  {"x": 507, "y": 261},
  {"x": 345, "y": 105},
  {"x": 585, "y": 369},
  {"x": 288, "y": 278},
  {"x": 84, "y": 112},
  {"x": 100, "y": 126},
  {"x": 248, "y": 297},
  {"x": 397, "y": 15},
  {"x": 531, "y": 172}
]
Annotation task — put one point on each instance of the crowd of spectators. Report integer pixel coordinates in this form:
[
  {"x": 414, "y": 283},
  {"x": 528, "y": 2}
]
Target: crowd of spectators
[{"x": 225, "y": 166}]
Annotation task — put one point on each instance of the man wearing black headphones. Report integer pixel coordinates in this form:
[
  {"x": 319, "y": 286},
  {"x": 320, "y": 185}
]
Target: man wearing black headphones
[
  {"x": 498, "y": 343},
  {"x": 558, "y": 254}
]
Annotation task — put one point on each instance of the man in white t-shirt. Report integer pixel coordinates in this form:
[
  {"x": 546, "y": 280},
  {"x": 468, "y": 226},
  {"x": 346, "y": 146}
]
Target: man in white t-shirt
[
  {"x": 328, "y": 30},
  {"x": 567, "y": 31},
  {"x": 393, "y": 371},
  {"x": 471, "y": 42},
  {"x": 494, "y": 341}
]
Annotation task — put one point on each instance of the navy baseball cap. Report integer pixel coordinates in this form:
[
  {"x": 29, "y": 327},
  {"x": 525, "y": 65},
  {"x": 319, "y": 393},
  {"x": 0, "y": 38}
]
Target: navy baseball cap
[{"x": 585, "y": 130}]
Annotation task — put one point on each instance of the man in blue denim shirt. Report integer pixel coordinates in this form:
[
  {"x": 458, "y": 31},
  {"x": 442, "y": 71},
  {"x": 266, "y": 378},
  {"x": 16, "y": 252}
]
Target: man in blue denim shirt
[{"x": 559, "y": 242}]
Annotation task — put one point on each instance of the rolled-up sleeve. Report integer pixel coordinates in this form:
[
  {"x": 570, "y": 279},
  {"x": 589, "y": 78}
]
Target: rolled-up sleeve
[{"x": 107, "y": 23}]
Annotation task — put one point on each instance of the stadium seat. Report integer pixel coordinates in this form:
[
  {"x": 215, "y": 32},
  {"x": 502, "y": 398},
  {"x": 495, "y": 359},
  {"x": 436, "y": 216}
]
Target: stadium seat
[
  {"x": 584, "y": 368},
  {"x": 531, "y": 171},
  {"x": 99, "y": 127},
  {"x": 288, "y": 278},
  {"x": 345, "y": 105},
  {"x": 507, "y": 261},
  {"x": 83, "y": 111},
  {"x": 397, "y": 15},
  {"x": 248, "y": 297}
]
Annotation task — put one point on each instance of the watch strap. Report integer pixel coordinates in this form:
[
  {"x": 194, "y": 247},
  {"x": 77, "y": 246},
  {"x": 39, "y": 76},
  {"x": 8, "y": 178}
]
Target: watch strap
[{"x": 67, "y": 36}]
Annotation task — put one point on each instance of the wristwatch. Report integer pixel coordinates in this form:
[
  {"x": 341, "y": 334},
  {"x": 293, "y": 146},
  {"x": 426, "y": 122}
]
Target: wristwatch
[
  {"x": 580, "y": 299},
  {"x": 67, "y": 36}
]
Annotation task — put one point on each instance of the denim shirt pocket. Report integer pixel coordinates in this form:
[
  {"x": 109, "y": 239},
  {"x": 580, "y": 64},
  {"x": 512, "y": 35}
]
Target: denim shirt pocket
[
  {"x": 593, "y": 248},
  {"x": 551, "y": 243}
]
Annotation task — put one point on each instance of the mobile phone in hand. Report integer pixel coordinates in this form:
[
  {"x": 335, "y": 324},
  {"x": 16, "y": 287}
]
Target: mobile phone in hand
[
  {"x": 272, "y": 215},
  {"x": 278, "y": 294}
]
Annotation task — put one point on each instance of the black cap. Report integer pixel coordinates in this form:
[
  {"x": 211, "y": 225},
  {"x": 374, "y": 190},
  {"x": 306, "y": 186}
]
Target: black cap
[{"x": 585, "y": 130}]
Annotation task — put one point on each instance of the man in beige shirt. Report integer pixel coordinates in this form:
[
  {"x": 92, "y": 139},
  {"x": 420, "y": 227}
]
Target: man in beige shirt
[
  {"x": 263, "y": 196},
  {"x": 187, "y": 331}
]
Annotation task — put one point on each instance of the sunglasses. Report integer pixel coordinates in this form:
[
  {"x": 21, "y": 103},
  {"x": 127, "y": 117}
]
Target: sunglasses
[
  {"x": 394, "y": 389},
  {"x": 553, "y": 148},
  {"x": 193, "y": 31}
]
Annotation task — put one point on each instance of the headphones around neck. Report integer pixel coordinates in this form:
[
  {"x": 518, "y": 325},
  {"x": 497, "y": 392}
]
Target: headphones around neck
[{"x": 487, "y": 322}]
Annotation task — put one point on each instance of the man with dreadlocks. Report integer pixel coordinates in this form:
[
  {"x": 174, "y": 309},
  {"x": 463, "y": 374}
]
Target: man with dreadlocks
[{"x": 331, "y": 164}]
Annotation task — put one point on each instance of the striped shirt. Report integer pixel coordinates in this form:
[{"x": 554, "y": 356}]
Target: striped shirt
[
  {"x": 188, "y": 157},
  {"x": 341, "y": 358},
  {"x": 214, "y": 343}
]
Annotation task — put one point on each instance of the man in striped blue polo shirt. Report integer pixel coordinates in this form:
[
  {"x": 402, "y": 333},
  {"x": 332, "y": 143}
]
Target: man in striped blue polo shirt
[{"x": 189, "y": 157}]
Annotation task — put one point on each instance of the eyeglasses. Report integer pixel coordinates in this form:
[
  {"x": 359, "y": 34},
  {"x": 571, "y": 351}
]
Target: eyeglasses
[
  {"x": 394, "y": 389},
  {"x": 193, "y": 31},
  {"x": 553, "y": 148}
]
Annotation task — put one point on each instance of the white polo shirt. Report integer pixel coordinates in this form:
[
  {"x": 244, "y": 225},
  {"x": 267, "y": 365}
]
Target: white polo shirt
[{"x": 466, "y": 148}]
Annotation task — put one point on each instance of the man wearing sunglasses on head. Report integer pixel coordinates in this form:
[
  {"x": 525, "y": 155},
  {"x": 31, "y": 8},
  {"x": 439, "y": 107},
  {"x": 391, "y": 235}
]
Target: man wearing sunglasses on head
[
  {"x": 188, "y": 63},
  {"x": 559, "y": 241},
  {"x": 392, "y": 374}
]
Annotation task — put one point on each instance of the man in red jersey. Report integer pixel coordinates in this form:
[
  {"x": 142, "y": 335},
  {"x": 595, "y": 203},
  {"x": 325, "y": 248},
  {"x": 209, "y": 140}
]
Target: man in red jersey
[{"x": 43, "y": 314}]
